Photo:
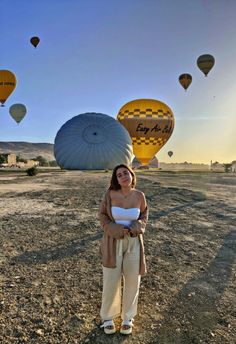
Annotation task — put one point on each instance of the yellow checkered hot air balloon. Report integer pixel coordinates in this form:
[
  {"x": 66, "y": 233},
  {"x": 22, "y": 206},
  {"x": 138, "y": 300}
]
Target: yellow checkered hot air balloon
[{"x": 150, "y": 124}]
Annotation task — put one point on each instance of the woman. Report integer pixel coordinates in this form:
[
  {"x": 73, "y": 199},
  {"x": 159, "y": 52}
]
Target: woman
[{"x": 123, "y": 217}]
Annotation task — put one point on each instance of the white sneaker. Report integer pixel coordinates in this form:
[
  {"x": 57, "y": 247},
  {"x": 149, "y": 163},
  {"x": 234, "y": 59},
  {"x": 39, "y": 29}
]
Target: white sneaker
[
  {"x": 128, "y": 324},
  {"x": 109, "y": 326}
]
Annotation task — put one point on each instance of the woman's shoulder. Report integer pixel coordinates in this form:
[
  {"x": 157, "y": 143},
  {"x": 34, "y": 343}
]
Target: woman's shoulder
[
  {"x": 142, "y": 199},
  {"x": 139, "y": 192}
]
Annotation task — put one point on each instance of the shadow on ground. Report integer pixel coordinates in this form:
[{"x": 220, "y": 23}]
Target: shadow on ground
[
  {"x": 52, "y": 253},
  {"x": 194, "y": 311}
]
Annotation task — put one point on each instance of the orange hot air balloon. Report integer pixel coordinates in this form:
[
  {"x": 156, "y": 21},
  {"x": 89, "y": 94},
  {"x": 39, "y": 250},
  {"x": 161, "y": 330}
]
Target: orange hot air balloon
[
  {"x": 7, "y": 84},
  {"x": 35, "y": 41},
  {"x": 150, "y": 124},
  {"x": 185, "y": 80}
]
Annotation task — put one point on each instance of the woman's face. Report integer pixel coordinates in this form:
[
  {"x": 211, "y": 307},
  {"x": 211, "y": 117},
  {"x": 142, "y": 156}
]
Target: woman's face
[{"x": 124, "y": 176}]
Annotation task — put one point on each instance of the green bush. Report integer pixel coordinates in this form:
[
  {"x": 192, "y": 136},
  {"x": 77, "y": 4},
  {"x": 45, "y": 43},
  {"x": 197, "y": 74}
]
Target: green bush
[
  {"x": 42, "y": 161},
  {"x": 2, "y": 159},
  {"x": 32, "y": 171},
  {"x": 53, "y": 163}
]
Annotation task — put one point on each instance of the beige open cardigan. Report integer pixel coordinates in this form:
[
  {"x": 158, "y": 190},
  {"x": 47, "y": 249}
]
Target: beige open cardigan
[{"x": 114, "y": 231}]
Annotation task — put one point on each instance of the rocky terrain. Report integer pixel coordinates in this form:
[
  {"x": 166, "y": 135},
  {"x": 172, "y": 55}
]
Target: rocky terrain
[{"x": 51, "y": 276}]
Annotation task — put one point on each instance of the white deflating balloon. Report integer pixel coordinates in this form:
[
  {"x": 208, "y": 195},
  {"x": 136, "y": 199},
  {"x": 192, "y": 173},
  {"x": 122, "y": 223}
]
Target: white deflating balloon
[{"x": 92, "y": 141}]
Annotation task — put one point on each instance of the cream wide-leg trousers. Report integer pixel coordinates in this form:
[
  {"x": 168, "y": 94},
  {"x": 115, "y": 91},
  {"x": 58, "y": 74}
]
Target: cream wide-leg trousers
[{"x": 127, "y": 264}]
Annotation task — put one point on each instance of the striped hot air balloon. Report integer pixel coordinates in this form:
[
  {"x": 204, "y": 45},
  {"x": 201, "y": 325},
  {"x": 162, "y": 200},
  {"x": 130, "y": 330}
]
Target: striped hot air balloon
[
  {"x": 185, "y": 80},
  {"x": 205, "y": 63}
]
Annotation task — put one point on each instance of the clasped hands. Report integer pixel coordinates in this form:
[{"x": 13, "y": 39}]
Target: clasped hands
[{"x": 127, "y": 231}]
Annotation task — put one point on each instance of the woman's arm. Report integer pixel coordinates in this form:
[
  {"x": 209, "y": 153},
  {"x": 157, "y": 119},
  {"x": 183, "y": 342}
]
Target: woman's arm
[
  {"x": 111, "y": 228},
  {"x": 143, "y": 205},
  {"x": 138, "y": 226}
]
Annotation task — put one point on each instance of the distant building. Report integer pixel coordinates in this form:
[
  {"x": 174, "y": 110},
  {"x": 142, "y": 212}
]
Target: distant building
[
  {"x": 10, "y": 159},
  {"x": 217, "y": 167},
  {"x": 183, "y": 166},
  {"x": 233, "y": 167},
  {"x": 228, "y": 167},
  {"x": 31, "y": 163},
  {"x": 152, "y": 163},
  {"x": 27, "y": 164}
]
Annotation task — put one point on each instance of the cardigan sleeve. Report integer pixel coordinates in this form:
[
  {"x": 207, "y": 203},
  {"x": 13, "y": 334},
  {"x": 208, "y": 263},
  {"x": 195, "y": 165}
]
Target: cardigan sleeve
[
  {"x": 138, "y": 226},
  {"x": 111, "y": 228}
]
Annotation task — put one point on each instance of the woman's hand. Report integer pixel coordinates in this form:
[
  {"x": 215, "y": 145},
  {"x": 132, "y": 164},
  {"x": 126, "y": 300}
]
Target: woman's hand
[{"x": 127, "y": 231}]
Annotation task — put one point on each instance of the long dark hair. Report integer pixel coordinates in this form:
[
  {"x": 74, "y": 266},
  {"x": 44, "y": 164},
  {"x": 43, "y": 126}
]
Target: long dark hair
[{"x": 114, "y": 185}]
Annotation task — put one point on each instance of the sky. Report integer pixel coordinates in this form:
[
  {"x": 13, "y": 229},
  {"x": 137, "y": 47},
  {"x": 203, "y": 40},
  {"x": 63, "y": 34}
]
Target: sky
[{"x": 96, "y": 55}]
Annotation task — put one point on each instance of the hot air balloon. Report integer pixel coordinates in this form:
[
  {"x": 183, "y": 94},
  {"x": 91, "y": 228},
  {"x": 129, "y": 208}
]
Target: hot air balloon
[
  {"x": 17, "y": 112},
  {"x": 150, "y": 124},
  {"x": 185, "y": 80},
  {"x": 35, "y": 41},
  {"x": 92, "y": 141},
  {"x": 170, "y": 153},
  {"x": 7, "y": 84},
  {"x": 205, "y": 63}
]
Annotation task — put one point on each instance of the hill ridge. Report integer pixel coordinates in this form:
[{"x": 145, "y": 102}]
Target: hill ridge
[{"x": 28, "y": 150}]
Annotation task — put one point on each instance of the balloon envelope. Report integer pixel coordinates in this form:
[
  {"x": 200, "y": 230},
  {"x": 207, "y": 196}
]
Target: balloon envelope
[
  {"x": 150, "y": 124},
  {"x": 17, "y": 112},
  {"x": 35, "y": 41},
  {"x": 92, "y": 141},
  {"x": 7, "y": 84},
  {"x": 205, "y": 63},
  {"x": 170, "y": 153},
  {"x": 185, "y": 80}
]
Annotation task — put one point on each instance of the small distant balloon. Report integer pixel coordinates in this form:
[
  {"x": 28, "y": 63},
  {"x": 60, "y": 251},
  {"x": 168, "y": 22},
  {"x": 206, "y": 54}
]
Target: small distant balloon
[
  {"x": 7, "y": 84},
  {"x": 35, "y": 41},
  {"x": 205, "y": 63},
  {"x": 170, "y": 153},
  {"x": 17, "y": 112},
  {"x": 185, "y": 80}
]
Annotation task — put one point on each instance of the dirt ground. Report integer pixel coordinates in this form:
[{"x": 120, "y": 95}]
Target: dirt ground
[{"x": 51, "y": 276}]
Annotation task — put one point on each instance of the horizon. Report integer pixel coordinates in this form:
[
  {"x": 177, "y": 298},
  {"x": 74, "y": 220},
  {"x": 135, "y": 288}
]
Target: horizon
[{"x": 159, "y": 161}]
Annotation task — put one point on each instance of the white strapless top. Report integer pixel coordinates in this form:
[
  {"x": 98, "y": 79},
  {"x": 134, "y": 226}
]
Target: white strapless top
[{"x": 125, "y": 216}]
